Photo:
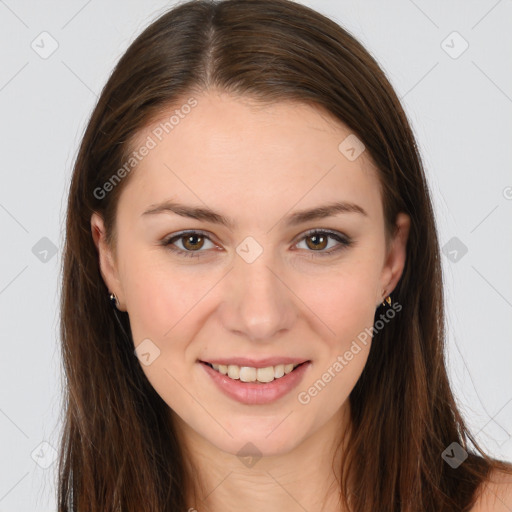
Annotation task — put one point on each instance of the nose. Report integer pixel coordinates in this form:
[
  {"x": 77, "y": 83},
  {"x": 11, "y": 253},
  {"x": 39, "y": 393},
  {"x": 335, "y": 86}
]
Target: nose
[{"x": 259, "y": 305}]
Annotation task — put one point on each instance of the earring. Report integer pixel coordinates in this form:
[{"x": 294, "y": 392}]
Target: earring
[
  {"x": 388, "y": 300},
  {"x": 114, "y": 301}
]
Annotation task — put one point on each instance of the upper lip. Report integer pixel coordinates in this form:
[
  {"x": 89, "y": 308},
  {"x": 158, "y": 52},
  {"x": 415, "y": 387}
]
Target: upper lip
[{"x": 256, "y": 363}]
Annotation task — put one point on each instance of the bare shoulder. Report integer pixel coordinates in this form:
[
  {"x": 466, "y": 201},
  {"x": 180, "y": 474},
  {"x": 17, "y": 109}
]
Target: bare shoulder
[{"x": 495, "y": 494}]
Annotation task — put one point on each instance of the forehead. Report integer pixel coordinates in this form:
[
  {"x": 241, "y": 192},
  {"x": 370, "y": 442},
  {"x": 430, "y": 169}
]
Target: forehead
[{"x": 228, "y": 151}]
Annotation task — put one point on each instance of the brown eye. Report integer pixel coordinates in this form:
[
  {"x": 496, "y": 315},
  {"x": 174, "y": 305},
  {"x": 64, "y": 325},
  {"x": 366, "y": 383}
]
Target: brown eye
[
  {"x": 319, "y": 241},
  {"x": 191, "y": 241}
]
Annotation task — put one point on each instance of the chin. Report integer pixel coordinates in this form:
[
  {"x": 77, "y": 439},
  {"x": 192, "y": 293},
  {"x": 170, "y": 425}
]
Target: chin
[
  {"x": 256, "y": 445},
  {"x": 264, "y": 436}
]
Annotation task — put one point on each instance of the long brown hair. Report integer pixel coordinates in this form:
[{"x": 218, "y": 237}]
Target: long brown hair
[{"x": 119, "y": 450}]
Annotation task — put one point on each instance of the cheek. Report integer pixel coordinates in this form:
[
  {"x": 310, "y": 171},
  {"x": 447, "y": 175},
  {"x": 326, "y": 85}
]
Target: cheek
[
  {"x": 345, "y": 303},
  {"x": 157, "y": 299},
  {"x": 163, "y": 308},
  {"x": 348, "y": 310},
  {"x": 157, "y": 303}
]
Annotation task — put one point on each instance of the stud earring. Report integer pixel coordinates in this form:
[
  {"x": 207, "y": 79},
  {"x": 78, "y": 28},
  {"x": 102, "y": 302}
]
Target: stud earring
[
  {"x": 388, "y": 300},
  {"x": 114, "y": 301}
]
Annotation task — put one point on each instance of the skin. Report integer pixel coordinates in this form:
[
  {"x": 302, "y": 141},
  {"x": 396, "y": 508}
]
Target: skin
[{"x": 255, "y": 165}]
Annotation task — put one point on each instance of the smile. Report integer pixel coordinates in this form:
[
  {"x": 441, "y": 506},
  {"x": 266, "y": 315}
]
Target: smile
[
  {"x": 251, "y": 374},
  {"x": 253, "y": 385}
]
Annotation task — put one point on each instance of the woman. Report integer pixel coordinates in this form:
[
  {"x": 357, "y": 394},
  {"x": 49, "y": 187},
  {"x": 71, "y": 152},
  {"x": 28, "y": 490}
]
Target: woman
[{"x": 252, "y": 304}]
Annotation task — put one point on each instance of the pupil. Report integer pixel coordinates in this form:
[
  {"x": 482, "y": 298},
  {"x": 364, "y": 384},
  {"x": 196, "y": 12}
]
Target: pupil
[
  {"x": 317, "y": 241},
  {"x": 190, "y": 239}
]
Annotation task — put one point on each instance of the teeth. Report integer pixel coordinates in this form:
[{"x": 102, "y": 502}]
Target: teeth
[
  {"x": 233, "y": 371},
  {"x": 265, "y": 374},
  {"x": 278, "y": 371},
  {"x": 250, "y": 374}
]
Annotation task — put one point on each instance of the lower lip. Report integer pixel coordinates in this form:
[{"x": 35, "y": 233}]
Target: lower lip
[{"x": 253, "y": 393}]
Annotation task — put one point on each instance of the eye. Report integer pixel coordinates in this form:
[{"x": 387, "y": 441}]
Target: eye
[
  {"x": 319, "y": 239},
  {"x": 193, "y": 241}
]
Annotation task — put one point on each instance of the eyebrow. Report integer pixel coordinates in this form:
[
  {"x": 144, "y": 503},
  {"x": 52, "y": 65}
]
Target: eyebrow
[{"x": 293, "y": 219}]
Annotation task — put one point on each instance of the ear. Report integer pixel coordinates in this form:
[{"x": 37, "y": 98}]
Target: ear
[
  {"x": 395, "y": 258},
  {"x": 108, "y": 265}
]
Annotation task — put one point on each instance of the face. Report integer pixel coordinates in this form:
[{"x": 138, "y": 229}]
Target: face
[{"x": 266, "y": 290}]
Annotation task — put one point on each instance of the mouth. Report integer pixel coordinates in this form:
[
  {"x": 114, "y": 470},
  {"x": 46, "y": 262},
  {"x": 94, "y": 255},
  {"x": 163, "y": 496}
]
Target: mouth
[{"x": 252, "y": 374}]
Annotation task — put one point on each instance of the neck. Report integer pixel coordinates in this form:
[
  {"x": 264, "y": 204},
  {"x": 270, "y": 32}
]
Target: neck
[{"x": 305, "y": 478}]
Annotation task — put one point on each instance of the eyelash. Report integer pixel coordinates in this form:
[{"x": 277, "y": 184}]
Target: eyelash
[{"x": 344, "y": 242}]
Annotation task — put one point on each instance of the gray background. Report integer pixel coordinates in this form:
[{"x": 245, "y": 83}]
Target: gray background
[{"x": 460, "y": 106}]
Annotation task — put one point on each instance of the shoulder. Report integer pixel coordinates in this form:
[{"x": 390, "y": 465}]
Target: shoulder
[{"x": 495, "y": 494}]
